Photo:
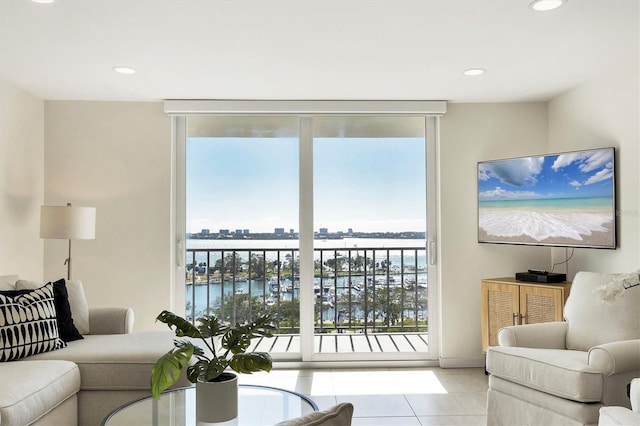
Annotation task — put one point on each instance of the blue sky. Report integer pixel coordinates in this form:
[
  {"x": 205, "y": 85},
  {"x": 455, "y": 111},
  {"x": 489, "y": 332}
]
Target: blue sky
[
  {"x": 570, "y": 175},
  {"x": 250, "y": 183}
]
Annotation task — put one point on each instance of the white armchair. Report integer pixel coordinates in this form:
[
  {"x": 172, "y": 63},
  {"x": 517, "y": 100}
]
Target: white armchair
[
  {"x": 564, "y": 372},
  {"x": 611, "y": 416}
]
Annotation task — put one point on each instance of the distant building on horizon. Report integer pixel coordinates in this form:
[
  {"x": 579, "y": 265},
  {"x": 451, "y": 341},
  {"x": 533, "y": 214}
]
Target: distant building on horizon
[
  {"x": 205, "y": 232},
  {"x": 224, "y": 232},
  {"x": 279, "y": 231}
]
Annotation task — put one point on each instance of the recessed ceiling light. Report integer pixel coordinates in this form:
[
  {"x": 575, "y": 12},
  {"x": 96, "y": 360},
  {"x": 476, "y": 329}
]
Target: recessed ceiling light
[
  {"x": 545, "y": 5},
  {"x": 124, "y": 70},
  {"x": 43, "y": 1},
  {"x": 474, "y": 71}
]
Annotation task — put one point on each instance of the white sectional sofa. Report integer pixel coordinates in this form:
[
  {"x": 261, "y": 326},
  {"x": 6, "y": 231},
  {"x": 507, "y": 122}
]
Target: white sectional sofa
[{"x": 81, "y": 383}]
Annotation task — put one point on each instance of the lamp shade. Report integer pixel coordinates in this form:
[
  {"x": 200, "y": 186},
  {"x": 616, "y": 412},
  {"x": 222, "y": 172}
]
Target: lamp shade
[{"x": 68, "y": 222}]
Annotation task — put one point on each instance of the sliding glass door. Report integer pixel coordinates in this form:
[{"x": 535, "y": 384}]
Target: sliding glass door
[
  {"x": 241, "y": 219},
  {"x": 370, "y": 279},
  {"x": 321, "y": 220}
]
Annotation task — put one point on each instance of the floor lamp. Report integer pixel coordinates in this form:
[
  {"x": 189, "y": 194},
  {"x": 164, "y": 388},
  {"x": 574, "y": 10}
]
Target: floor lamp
[{"x": 68, "y": 223}]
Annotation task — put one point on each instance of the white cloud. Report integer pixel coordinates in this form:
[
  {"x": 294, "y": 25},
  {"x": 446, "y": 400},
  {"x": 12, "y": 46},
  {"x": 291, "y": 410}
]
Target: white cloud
[
  {"x": 603, "y": 174},
  {"x": 565, "y": 160},
  {"x": 502, "y": 194},
  {"x": 575, "y": 184},
  {"x": 483, "y": 173},
  {"x": 597, "y": 160},
  {"x": 589, "y": 161}
]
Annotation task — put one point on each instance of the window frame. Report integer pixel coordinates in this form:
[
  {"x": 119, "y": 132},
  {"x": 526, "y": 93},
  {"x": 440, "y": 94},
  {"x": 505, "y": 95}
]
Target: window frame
[{"x": 179, "y": 110}]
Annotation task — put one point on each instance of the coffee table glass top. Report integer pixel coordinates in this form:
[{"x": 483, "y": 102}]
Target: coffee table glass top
[{"x": 257, "y": 405}]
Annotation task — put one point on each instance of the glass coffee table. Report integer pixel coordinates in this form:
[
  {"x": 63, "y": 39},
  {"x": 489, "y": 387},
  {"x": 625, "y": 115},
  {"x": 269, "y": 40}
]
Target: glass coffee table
[{"x": 257, "y": 405}]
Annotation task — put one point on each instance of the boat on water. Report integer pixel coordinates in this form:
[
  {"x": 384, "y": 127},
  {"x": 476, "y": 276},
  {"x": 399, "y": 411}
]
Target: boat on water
[{"x": 328, "y": 300}]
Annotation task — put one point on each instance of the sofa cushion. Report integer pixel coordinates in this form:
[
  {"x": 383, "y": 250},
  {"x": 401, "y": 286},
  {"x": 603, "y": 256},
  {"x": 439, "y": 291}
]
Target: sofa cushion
[
  {"x": 49, "y": 384},
  {"x": 509, "y": 403},
  {"x": 559, "y": 372},
  {"x": 593, "y": 322},
  {"x": 116, "y": 361},
  {"x": 28, "y": 324},
  {"x": 77, "y": 302}
]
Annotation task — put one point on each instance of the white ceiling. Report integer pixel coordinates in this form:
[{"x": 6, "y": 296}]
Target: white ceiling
[{"x": 312, "y": 49}]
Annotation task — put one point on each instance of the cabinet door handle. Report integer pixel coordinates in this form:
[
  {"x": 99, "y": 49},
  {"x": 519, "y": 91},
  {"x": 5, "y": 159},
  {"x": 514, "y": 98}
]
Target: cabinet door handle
[
  {"x": 521, "y": 319},
  {"x": 514, "y": 318}
]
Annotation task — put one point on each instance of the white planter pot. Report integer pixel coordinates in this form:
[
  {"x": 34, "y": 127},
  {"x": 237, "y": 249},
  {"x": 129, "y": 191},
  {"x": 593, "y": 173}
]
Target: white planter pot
[{"x": 217, "y": 401}]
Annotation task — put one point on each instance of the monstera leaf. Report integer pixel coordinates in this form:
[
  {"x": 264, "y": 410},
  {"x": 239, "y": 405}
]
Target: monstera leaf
[
  {"x": 166, "y": 370},
  {"x": 210, "y": 327},
  {"x": 251, "y": 362},
  {"x": 183, "y": 328}
]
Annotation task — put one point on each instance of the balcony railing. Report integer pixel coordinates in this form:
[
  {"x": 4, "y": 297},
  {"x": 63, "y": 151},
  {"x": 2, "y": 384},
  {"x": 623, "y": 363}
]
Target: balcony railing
[{"x": 357, "y": 290}]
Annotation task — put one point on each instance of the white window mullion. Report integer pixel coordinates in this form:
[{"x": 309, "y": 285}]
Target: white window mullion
[
  {"x": 306, "y": 238},
  {"x": 432, "y": 129},
  {"x": 179, "y": 223}
]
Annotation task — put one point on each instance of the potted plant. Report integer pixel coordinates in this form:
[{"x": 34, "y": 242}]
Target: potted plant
[{"x": 224, "y": 347}]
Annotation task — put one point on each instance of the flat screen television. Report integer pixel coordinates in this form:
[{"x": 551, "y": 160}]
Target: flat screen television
[{"x": 563, "y": 200}]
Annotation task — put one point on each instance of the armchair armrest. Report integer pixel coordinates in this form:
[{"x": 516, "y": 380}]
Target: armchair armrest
[
  {"x": 615, "y": 357},
  {"x": 547, "y": 335},
  {"x": 635, "y": 395},
  {"x": 111, "y": 320}
]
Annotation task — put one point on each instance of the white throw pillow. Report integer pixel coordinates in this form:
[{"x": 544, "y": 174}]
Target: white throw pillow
[
  {"x": 592, "y": 321},
  {"x": 8, "y": 282},
  {"x": 77, "y": 301}
]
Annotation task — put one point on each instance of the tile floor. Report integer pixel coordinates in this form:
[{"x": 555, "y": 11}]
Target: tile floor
[{"x": 391, "y": 396}]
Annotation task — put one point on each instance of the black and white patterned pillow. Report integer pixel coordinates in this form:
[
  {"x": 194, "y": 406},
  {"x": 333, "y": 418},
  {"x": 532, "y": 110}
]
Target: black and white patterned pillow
[{"x": 28, "y": 324}]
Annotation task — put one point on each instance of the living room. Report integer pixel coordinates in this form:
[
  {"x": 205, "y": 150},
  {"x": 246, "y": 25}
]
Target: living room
[{"x": 116, "y": 154}]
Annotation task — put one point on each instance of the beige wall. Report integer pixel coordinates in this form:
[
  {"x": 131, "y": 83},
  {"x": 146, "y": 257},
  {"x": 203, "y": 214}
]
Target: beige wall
[
  {"x": 597, "y": 114},
  {"x": 21, "y": 182},
  {"x": 470, "y": 133},
  {"x": 116, "y": 157}
]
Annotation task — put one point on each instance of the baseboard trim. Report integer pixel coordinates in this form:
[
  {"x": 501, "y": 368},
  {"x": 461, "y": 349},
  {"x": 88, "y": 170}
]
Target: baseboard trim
[
  {"x": 462, "y": 362},
  {"x": 284, "y": 365}
]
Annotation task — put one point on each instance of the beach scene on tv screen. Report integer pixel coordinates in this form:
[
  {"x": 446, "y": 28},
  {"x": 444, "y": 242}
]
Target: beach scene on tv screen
[{"x": 560, "y": 199}]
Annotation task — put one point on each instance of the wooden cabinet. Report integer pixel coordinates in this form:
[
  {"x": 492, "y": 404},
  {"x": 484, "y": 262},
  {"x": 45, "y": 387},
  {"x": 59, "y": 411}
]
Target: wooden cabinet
[{"x": 506, "y": 301}]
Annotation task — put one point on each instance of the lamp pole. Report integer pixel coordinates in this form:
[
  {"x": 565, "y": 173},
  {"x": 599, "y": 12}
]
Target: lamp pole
[{"x": 68, "y": 261}]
